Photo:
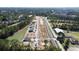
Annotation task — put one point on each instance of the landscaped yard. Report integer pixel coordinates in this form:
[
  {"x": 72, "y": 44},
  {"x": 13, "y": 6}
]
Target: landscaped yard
[{"x": 18, "y": 35}]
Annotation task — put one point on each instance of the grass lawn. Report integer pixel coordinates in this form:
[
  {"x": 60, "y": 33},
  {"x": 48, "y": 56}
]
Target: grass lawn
[
  {"x": 74, "y": 34},
  {"x": 18, "y": 35}
]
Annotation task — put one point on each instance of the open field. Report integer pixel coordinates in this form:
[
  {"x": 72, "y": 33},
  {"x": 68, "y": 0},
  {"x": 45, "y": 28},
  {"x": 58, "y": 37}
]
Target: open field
[
  {"x": 18, "y": 35},
  {"x": 74, "y": 34}
]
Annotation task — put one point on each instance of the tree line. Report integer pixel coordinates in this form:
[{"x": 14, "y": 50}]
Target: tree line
[
  {"x": 9, "y": 30},
  {"x": 64, "y": 23}
]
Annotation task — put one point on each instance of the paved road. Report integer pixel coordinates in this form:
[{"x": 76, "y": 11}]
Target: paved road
[{"x": 52, "y": 35}]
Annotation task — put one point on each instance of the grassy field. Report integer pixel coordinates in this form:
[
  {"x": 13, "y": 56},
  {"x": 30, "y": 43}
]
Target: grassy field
[
  {"x": 74, "y": 34},
  {"x": 18, "y": 35}
]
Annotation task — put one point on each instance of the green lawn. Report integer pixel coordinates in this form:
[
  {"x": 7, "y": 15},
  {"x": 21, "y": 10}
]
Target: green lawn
[
  {"x": 18, "y": 35},
  {"x": 74, "y": 34}
]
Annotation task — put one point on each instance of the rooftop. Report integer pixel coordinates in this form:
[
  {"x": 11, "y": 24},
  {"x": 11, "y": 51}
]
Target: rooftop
[{"x": 58, "y": 30}]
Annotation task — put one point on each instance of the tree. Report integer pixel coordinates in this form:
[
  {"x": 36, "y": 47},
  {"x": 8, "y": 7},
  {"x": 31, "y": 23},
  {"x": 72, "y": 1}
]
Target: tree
[
  {"x": 12, "y": 45},
  {"x": 16, "y": 45},
  {"x": 46, "y": 41},
  {"x": 67, "y": 28},
  {"x": 61, "y": 37},
  {"x": 66, "y": 44},
  {"x": 4, "y": 45},
  {"x": 53, "y": 48}
]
